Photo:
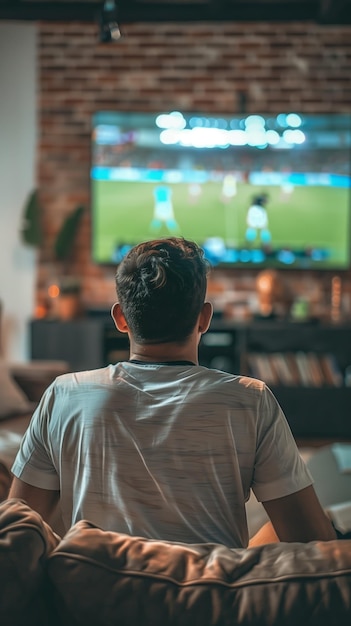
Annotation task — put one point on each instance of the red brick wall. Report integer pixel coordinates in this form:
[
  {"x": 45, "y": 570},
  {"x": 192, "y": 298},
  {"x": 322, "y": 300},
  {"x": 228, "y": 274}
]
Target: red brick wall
[{"x": 300, "y": 66}]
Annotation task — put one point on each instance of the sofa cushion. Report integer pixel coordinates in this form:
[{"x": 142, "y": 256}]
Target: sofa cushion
[
  {"x": 103, "y": 578},
  {"x": 5, "y": 481},
  {"x": 12, "y": 430},
  {"x": 25, "y": 542},
  {"x": 35, "y": 376},
  {"x": 13, "y": 400}
]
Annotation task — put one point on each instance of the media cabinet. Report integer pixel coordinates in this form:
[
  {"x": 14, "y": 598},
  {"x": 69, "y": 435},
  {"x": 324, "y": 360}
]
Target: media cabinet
[{"x": 314, "y": 406}]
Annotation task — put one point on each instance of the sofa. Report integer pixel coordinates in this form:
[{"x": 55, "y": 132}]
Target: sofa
[
  {"x": 92, "y": 577},
  {"x": 21, "y": 387}
]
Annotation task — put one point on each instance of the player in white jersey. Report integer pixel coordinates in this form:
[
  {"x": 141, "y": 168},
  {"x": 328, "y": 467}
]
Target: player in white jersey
[
  {"x": 229, "y": 188},
  {"x": 257, "y": 220}
]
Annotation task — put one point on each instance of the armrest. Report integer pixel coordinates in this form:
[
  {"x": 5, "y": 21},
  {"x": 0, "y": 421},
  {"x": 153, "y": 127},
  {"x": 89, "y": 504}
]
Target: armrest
[{"x": 35, "y": 376}]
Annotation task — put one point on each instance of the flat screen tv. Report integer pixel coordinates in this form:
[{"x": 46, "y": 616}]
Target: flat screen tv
[{"x": 253, "y": 190}]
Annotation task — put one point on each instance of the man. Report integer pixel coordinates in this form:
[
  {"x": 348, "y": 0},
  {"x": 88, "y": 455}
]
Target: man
[
  {"x": 159, "y": 446},
  {"x": 257, "y": 220},
  {"x": 163, "y": 210}
]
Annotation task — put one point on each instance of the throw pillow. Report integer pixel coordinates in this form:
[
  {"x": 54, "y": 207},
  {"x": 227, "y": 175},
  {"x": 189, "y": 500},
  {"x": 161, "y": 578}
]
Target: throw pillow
[{"x": 12, "y": 399}]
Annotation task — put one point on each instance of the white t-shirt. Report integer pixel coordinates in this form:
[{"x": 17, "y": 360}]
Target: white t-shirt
[{"x": 160, "y": 451}]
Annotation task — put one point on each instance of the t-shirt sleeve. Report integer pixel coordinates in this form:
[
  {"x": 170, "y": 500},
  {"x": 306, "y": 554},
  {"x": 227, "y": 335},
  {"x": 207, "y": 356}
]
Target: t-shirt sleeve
[
  {"x": 279, "y": 469},
  {"x": 33, "y": 463}
]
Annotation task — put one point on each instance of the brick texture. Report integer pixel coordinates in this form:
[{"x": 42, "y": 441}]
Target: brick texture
[{"x": 193, "y": 66}]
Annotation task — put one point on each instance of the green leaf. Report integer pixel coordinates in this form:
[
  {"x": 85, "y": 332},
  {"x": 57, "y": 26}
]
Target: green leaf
[
  {"x": 67, "y": 233},
  {"x": 31, "y": 232}
]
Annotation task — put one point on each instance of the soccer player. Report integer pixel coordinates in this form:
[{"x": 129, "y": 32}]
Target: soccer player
[
  {"x": 163, "y": 210},
  {"x": 257, "y": 220}
]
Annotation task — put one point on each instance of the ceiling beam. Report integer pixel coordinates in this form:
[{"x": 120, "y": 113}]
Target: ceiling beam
[
  {"x": 332, "y": 11},
  {"x": 134, "y": 11}
]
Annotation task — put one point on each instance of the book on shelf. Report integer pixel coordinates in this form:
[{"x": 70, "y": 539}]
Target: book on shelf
[
  {"x": 316, "y": 372},
  {"x": 276, "y": 379},
  {"x": 304, "y": 369},
  {"x": 254, "y": 365},
  {"x": 282, "y": 368},
  {"x": 331, "y": 370},
  {"x": 294, "y": 369},
  {"x": 261, "y": 368},
  {"x": 273, "y": 368}
]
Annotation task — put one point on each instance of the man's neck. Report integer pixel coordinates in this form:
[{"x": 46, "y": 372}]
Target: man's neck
[{"x": 164, "y": 352}]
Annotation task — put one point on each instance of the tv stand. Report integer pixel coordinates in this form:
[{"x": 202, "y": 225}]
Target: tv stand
[{"x": 313, "y": 410}]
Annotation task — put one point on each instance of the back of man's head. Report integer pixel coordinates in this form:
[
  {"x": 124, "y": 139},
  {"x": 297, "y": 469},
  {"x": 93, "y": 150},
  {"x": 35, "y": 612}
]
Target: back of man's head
[{"x": 161, "y": 288}]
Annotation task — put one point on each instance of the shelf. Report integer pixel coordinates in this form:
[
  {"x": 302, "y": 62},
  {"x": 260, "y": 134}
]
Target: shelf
[
  {"x": 316, "y": 412},
  {"x": 319, "y": 411}
]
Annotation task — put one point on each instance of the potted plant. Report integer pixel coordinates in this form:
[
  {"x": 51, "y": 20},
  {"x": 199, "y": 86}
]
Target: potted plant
[
  {"x": 69, "y": 286},
  {"x": 31, "y": 231},
  {"x": 64, "y": 292}
]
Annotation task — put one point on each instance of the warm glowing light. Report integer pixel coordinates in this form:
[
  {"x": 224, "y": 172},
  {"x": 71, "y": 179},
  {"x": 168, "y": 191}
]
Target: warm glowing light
[
  {"x": 54, "y": 291},
  {"x": 40, "y": 311}
]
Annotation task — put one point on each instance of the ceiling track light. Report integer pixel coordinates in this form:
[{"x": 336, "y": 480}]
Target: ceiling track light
[{"x": 109, "y": 27}]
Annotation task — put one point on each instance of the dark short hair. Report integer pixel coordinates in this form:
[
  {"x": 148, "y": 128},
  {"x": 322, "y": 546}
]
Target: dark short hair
[{"x": 161, "y": 288}]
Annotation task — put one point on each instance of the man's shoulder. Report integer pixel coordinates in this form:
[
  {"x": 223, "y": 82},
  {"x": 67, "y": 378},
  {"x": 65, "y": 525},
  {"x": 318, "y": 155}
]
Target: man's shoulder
[
  {"x": 236, "y": 379},
  {"x": 235, "y": 382},
  {"x": 101, "y": 376},
  {"x": 252, "y": 384},
  {"x": 207, "y": 379}
]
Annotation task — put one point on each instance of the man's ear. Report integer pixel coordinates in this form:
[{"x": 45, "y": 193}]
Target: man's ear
[
  {"x": 205, "y": 317},
  {"x": 118, "y": 318}
]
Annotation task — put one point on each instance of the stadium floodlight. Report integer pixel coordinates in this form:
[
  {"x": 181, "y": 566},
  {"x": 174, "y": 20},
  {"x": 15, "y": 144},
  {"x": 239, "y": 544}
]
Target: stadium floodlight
[{"x": 109, "y": 27}]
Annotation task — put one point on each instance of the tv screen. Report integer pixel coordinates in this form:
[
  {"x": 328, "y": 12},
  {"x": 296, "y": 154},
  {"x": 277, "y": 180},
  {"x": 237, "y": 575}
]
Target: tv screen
[{"x": 253, "y": 191}]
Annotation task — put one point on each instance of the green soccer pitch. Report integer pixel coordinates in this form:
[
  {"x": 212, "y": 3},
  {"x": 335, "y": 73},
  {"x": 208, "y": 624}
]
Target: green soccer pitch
[{"x": 308, "y": 217}]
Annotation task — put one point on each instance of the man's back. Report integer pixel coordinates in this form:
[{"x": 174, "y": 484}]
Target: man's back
[
  {"x": 159, "y": 446},
  {"x": 162, "y": 451}
]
